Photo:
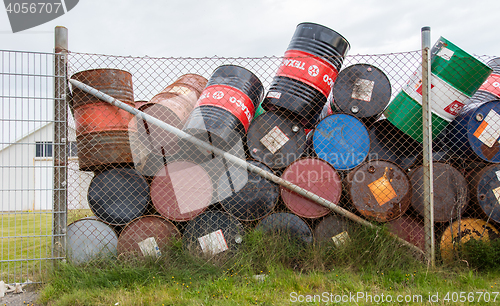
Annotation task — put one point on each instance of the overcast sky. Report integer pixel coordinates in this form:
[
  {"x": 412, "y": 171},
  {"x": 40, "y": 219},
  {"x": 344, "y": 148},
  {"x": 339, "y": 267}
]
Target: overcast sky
[{"x": 255, "y": 28}]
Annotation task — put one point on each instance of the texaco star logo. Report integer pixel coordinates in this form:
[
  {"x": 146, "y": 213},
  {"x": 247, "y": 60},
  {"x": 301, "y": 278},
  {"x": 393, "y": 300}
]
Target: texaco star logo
[
  {"x": 313, "y": 70},
  {"x": 218, "y": 95}
]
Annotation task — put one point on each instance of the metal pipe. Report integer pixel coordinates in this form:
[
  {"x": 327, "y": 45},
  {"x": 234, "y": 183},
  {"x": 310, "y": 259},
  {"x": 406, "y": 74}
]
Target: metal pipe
[
  {"x": 231, "y": 158},
  {"x": 428, "y": 175}
]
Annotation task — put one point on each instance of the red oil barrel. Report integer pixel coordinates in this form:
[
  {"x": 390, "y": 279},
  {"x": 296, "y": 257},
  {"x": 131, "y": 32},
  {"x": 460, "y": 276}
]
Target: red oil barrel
[
  {"x": 379, "y": 190},
  {"x": 147, "y": 236},
  {"x": 317, "y": 176},
  {"x": 410, "y": 229},
  {"x": 451, "y": 193},
  {"x": 181, "y": 190},
  {"x": 173, "y": 106},
  {"x": 102, "y": 130}
]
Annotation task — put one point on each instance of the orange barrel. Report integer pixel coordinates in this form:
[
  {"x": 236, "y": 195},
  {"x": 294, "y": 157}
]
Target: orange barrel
[
  {"x": 451, "y": 193},
  {"x": 90, "y": 239},
  {"x": 103, "y": 131},
  {"x": 334, "y": 229},
  {"x": 410, "y": 229},
  {"x": 173, "y": 106},
  {"x": 286, "y": 223},
  {"x": 181, "y": 190},
  {"x": 213, "y": 233},
  {"x": 463, "y": 230},
  {"x": 317, "y": 176},
  {"x": 147, "y": 236},
  {"x": 379, "y": 190}
]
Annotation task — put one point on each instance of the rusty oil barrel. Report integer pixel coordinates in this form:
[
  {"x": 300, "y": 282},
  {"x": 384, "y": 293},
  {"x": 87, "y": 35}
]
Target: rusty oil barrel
[
  {"x": 461, "y": 231},
  {"x": 451, "y": 193},
  {"x": 147, "y": 236},
  {"x": 181, "y": 190},
  {"x": 307, "y": 72},
  {"x": 289, "y": 224},
  {"x": 410, "y": 229},
  {"x": 485, "y": 192},
  {"x": 246, "y": 195},
  {"x": 103, "y": 131},
  {"x": 118, "y": 195},
  {"x": 379, "y": 190},
  {"x": 276, "y": 140},
  {"x": 333, "y": 229},
  {"x": 173, "y": 106},
  {"x": 226, "y": 107},
  {"x": 317, "y": 176}
]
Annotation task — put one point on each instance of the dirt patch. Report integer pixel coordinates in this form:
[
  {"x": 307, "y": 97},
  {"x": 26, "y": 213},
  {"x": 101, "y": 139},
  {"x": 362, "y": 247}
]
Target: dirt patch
[{"x": 27, "y": 297}]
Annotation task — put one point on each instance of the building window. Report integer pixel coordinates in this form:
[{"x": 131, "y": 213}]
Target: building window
[
  {"x": 43, "y": 149},
  {"x": 72, "y": 150}
]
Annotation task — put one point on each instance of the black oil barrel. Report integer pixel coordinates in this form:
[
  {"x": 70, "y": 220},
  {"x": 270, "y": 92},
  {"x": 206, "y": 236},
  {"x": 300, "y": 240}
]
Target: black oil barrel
[
  {"x": 287, "y": 224},
  {"x": 362, "y": 90},
  {"x": 276, "y": 140},
  {"x": 246, "y": 195},
  {"x": 333, "y": 228},
  {"x": 389, "y": 143},
  {"x": 451, "y": 193},
  {"x": 118, "y": 195},
  {"x": 307, "y": 73},
  {"x": 212, "y": 233},
  {"x": 225, "y": 108}
]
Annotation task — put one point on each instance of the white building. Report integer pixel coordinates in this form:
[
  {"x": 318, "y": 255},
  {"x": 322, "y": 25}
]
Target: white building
[{"x": 27, "y": 173}]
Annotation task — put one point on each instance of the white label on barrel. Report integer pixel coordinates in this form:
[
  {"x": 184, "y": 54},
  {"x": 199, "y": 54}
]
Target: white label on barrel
[
  {"x": 180, "y": 90},
  {"x": 274, "y": 94},
  {"x": 341, "y": 239},
  {"x": 213, "y": 243},
  {"x": 498, "y": 175},
  {"x": 149, "y": 247},
  {"x": 362, "y": 90},
  {"x": 489, "y": 130},
  {"x": 496, "y": 192},
  {"x": 445, "y": 54},
  {"x": 274, "y": 140}
]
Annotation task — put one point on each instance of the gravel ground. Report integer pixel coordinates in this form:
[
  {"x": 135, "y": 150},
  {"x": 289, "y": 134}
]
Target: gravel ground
[{"x": 28, "y": 297}]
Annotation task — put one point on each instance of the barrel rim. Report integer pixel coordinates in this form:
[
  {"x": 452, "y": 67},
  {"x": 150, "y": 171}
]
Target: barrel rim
[
  {"x": 325, "y": 27},
  {"x": 88, "y": 71}
]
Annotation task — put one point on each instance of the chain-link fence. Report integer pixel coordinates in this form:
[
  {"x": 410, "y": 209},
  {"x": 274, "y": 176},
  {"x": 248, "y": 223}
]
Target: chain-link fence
[{"x": 346, "y": 128}]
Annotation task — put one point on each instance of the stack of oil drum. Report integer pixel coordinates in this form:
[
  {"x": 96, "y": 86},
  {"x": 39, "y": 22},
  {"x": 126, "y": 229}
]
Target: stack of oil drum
[{"x": 319, "y": 126}]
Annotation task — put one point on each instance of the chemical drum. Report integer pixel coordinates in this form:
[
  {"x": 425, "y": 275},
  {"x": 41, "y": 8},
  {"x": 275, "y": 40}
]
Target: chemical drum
[
  {"x": 455, "y": 77},
  {"x": 388, "y": 143},
  {"x": 362, "y": 90},
  {"x": 461, "y": 231},
  {"x": 147, "y": 236},
  {"x": 286, "y": 224},
  {"x": 90, "y": 239},
  {"x": 334, "y": 229},
  {"x": 451, "y": 193},
  {"x": 225, "y": 108},
  {"x": 118, "y": 195},
  {"x": 307, "y": 73},
  {"x": 213, "y": 233},
  {"x": 276, "y": 140},
  {"x": 342, "y": 140},
  {"x": 379, "y": 190},
  {"x": 103, "y": 131},
  {"x": 181, "y": 190},
  {"x": 316, "y": 176},
  {"x": 485, "y": 192},
  {"x": 246, "y": 195},
  {"x": 410, "y": 229},
  {"x": 475, "y": 133},
  {"x": 172, "y": 106}
]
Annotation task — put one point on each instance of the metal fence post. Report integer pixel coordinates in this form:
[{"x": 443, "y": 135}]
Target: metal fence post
[
  {"x": 60, "y": 143},
  {"x": 427, "y": 147}
]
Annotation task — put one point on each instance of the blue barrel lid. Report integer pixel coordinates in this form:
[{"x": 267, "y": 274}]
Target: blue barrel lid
[
  {"x": 342, "y": 140},
  {"x": 483, "y": 130}
]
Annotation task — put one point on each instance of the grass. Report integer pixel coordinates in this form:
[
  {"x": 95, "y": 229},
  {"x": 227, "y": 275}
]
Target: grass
[
  {"x": 26, "y": 242},
  {"x": 372, "y": 263}
]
